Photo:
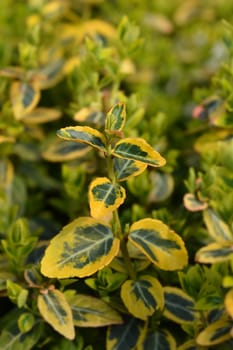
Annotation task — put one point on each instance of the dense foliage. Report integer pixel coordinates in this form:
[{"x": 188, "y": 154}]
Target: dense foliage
[{"x": 116, "y": 175}]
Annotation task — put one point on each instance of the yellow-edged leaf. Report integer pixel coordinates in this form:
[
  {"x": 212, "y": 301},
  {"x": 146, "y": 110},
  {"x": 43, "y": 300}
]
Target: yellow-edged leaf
[
  {"x": 115, "y": 119},
  {"x": 55, "y": 309},
  {"x": 191, "y": 203},
  {"x": 159, "y": 243},
  {"x": 90, "y": 115},
  {"x": 138, "y": 149},
  {"x": 49, "y": 75},
  {"x": 82, "y": 247},
  {"x": 229, "y": 302},
  {"x": 217, "y": 228},
  {"x": 190, "y": 345},
  {"x": 126, "y": 168},
  {"x": 142, "y": 297},
  {"x": 124, "y": 336},
  {"x": 62, "y": 150},
  {"x": 215, "y": 333},
  {"x": 159, "y": 339},
  {"x": 89, "y": 311},
  {"x": 215, "y": 252},
  {"x": 104, "y": 197},
  {"x": 24, "y": 97},
  {"x": 179, "y": 307},
  {"x": 83, "y": 134},
  {"x": 42, "y": 115}
]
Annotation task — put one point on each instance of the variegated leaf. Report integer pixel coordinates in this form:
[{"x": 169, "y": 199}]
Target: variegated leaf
[
  {"x": 142, "y": 297},
  {"x": 190, "y": 345},
  {"x": 217, "y": 228},
  {"x": 115, "y": 119},
  {"x": 24, "y": 97},
  {"x": 124, "y": 336},
  {"x": 55, "y": 309},
  {"x": 158, "y": 340},
  {"x": 82, "y": 247},
  {"x": 138, "y": 149},
  {"x": 104, "y": 197},
  {"x": 215, "y": 252},
  {"x": 179, "y": 307},
  {"x": 191, "y": 203},
  {"x": 89, "y": 311},
  {"x": 62, "y": 150},
  {"x": 49, "y": 75},
  {"x": 126, "y": 168},
  {"x": 84, "y": 134},
  {"x": 215, "y": 333},
  {"x": 42, "y": 115},
  {"x": 90, "y": 115},
  {"x": 159, "y": 243}
]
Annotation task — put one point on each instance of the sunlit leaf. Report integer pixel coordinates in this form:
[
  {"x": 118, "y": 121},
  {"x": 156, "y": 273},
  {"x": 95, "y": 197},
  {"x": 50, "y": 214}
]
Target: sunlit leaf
[
  {"x": 89, "y": 311},
  {"x": 83, "y": 134},
  {"x": 115, "y": 118},
  {"x": 125, "y": 168},
  {"x": 138, "y": 149},
  {"x": 191, "y": 203},
  {"x": 24, "y": 97},
  {"x": 142, "y": 297},
  {"x": 215, "y": 252},
  {"x": 62, "y": 150},
  {"x": 217, "y": 228},
  {"x": 82, "y": 247},
  {"x": 104, "y": 197},
  {"x": 158, "y": 340},
  {"x": 215, "y": 333},
  {"x": 179, "y": 307},
  {"x": 42, "y": 115},
  {"x": 55, "y": 309},
  {"x": 159, "y": 243},
  {"x": 124, "y": 336}
]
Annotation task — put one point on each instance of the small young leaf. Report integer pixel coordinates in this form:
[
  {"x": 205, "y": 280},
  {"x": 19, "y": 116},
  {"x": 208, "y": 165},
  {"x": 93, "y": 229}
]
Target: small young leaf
[
  {"x": 89, "y": 311},
  {"x": 124, "y": 336},
  {"x": 125, "y": 168},
  {"x": 229, "y": 302},
  {"x": 24, "y": 97},
  {"x": 82, "y": 247},
  {"x": 193, "y": 204},
  {"x": 215, "y": 333},
  {"x": 179, "y": 307},
  {"x": 26, "y": 321},
  {"x": 215, "y": 252},
  {"x": 115, "y": 119},
  {"x": 159, "y": 243},
  {"x": 104, "y": 197},
  {"x": 158, "y": 340},
  {"x": 84, "y": 134},
  {"x": 55, "y": 309},
  {"x": 138, "y": 149},
  {"x": 62, "y": 150},
  {"x": 217, "y": 228},
  {"x": 142, "y": 297}
]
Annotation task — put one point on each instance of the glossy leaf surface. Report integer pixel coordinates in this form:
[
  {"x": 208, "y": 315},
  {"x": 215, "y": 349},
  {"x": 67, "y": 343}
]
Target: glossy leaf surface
[
  {"x": 138, "y": 149},
  {"x": 104, "y": 197},
  {"x": 83, "y": 134},
  {"x": 142, "y": 297},
  {"x": 179, "y": 307},
  {"x": 159, "y": 243},
  {"x": 82, "y": 247},
  {"x": 56, "y": 311}
]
